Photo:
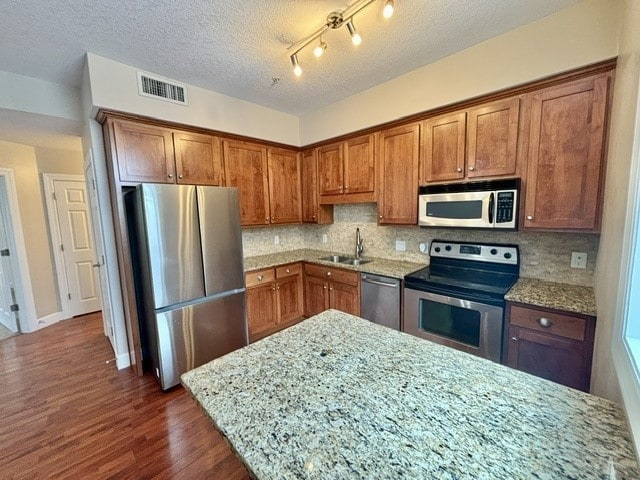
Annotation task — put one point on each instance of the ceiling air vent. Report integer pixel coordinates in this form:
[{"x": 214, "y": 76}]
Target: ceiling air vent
[{"x": 161, "y": 88}]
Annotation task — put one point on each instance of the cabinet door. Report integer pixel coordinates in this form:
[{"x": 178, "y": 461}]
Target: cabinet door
[
  {"x": 245, "y": 167},
  {"x": 261, "y": 310},
  {"x": 198, "y": 159},
  {"x": 359, "y": 166},
  {"x": 492, "y": 139},
  {"x": 565, "y": 164},
  {"x": 345, "y": 298},
  {"x": 444, "y": 148},
  {"x": 330, "y": 169},
  {"x": 290, "y": 298},
  {"x": 398, "y": 155},
  {"x": 145, "y": 153},
  {"x": 316, "y": 295},
  {"x": 557, "y": 359},
  {"x": 285, "y": 200},
  {"x": 312, "y": 212}
]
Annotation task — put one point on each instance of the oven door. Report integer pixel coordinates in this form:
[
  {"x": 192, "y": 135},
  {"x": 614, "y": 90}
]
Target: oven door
[
  {"x": 465, "y": 325},
  {"x": 460, "y": 209}
]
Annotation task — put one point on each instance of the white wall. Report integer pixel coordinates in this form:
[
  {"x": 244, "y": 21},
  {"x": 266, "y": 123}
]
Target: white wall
[
  {"x": 621, "y": 138},
  {"x": 114, "y": 86},
  {"x": 575, "y": 36}
]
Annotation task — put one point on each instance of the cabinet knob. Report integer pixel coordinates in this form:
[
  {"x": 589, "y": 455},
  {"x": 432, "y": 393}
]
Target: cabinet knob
[
  {"x": 331, "y": 289},
  {"x": 514, "y": 339},
  {"x": 170, "y": 175},
  {"x": 459, "y": 169},
  {"x": 278, "y": 287},
  {"x": 273, "y": 218},
  {"x": 471, "y": 169},
  {"x": 325, "y": 287},
  {"x": 340, "y": 188},
  {"x": 529, "y": 217},
  {"x": 273, "y": 288},
  {"x": 179, "y": 176},
  {"x": 267, "y": 219},
  {"x": 328, "y": 274},
  {"x": 260, "y": 277},
  {"x": 380, "y": 216},
  {"x": 545, "y": 322},
  {"x": 313, "y": 216},
  {"x": 288, "y": 270}
]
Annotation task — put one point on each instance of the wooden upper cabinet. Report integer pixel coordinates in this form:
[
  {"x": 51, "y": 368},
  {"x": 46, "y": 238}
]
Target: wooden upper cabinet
[
  {"x": 444, "y": 148},
  {"x": 331, "y": 169},
  {"x": 198, "y": 159},
  {"x": 144, "y": 152},
  {"x": 311, "y": 211},
  {"x": 284, "y": 186},
  {"x": 245, "y": 166},
  {"x": 359, "y": 165},
  {"x": 398, "y": 153},
  {"x": 492, "y": 139},
  {"x": 565, "y": 158}
]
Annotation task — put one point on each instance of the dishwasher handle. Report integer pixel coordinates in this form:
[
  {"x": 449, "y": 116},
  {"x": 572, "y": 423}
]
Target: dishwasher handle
[{"x": 382, "y": 284}]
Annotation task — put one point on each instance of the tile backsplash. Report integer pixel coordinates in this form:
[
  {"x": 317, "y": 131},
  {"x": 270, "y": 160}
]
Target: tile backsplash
[{"x": 544, "y": 255}]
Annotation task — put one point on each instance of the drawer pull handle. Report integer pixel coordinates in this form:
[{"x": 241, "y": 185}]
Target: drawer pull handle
[
  {"x": 260, "y": 277},
  {"x": 514, "y": 339},
  {"x": 545, "y": 322}
]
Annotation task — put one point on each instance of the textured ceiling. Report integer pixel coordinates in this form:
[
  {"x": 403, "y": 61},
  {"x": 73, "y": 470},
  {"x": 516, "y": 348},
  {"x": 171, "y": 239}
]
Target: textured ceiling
[{"x": 237, "y": 47}]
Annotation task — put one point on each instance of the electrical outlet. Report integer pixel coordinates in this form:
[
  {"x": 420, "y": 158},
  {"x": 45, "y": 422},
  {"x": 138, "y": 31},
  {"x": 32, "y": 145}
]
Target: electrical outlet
[
  {"x": 401, "y": 246},
  {"x": 578, "y": 260},
  {"x": 276, "y": 240},
  {"x": 424, "y": 247},
  {"x": 325, "y": 239}
]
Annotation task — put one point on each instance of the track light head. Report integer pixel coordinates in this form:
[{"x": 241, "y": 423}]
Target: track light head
[
  {"x": 387, "y": 11},
  {"x": 297, "y": 69},
  {"x": 356, "y": 39},
  {"x": 320, "y": 48}
]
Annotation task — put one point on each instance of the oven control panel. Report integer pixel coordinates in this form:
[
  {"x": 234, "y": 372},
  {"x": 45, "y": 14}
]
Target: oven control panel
[{"x": 482, "y": 252}]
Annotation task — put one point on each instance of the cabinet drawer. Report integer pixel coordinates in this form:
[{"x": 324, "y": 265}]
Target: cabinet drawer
[
  {"x": 557, "y": 324},
  {"x": 333, "y": 274},
  {"x": 288, "y": 270},
  {"x": 260, "y": 277}
]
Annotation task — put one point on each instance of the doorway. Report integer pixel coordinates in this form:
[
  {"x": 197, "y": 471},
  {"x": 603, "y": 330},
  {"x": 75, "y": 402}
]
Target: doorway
[{"x": 69, "y": 217}]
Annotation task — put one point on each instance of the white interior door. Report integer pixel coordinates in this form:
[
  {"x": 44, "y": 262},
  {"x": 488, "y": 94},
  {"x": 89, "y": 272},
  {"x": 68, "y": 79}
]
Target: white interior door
[
  {"x": 77, "y": 246},
  {"x": 107, "y": 315},
  {"x": 7, "y": 284}
]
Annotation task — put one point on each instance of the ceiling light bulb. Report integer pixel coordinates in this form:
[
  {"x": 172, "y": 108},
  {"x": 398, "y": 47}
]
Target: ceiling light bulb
[
  {"x": 319, "y": 50},
  {"x": 356, "y": 39},
  {"x": 297, "y": 69},
  {"x": 387, "y": 11}
]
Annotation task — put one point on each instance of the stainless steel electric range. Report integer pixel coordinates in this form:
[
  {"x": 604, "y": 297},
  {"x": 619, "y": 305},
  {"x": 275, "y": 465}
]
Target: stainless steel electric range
[{"x": 458, "y": 300}]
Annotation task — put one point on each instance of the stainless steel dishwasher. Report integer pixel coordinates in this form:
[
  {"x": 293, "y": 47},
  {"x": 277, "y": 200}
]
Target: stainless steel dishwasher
[{"x": 380, "y": 300}]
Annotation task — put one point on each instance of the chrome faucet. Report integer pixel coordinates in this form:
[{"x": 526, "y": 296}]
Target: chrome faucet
[{"x": 359, "y": 241}]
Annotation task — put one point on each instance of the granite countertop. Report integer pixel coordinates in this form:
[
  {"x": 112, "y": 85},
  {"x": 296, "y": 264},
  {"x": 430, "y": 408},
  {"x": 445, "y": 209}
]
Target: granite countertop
[
  {"x": 338, "y": 397},
  {"x": 379, "y": 266},
  {"x": 571, "y": 298}
]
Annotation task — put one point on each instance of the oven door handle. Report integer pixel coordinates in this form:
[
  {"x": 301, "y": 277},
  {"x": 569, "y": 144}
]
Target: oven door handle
[{"x": 491, "y": 207}]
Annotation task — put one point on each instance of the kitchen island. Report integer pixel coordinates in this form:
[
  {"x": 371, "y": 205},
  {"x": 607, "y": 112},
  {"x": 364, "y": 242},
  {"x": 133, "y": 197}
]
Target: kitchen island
[{"x": 339, "y": 397}]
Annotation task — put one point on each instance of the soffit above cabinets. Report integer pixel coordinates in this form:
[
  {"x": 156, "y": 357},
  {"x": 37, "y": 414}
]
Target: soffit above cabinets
[{"x": 237, "y": 47}]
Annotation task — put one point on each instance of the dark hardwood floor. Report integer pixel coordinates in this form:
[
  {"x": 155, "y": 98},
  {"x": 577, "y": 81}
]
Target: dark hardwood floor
[{"x": 66, "y": 413}]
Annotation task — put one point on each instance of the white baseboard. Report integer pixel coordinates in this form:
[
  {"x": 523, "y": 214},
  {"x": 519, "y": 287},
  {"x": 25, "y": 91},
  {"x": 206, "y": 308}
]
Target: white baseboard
[
  {"x": 48, "y": 320},
  {"x": 123, "y": 361}
]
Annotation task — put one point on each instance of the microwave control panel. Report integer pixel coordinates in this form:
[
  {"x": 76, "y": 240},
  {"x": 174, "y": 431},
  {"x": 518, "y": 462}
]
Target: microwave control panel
[{"x": 504, "y": 207}]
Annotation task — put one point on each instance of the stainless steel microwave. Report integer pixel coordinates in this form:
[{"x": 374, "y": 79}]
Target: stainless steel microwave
[{"x": 486, "y": 205}]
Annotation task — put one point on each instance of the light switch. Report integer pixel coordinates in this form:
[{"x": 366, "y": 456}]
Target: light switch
[
  {"x": 401, "y": 246},
  {"x": 276, "y": 240}
]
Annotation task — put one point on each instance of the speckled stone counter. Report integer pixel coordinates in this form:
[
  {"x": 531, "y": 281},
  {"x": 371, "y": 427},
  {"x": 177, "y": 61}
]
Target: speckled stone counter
[
  {"x": 571, "y": 298},
  {"x": 379, "y": 266},
  {"x": 338, "y": 397}
]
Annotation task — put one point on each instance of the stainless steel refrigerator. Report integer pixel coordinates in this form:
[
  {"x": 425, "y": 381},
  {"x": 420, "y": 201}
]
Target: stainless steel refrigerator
[{"x": 186, "y": 246}]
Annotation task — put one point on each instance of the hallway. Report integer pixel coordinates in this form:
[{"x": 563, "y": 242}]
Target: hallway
[{"x": 67, "y": 413}]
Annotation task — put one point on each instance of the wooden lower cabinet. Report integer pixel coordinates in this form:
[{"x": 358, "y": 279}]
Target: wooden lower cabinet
[
  {"x": 550, "y": 344},
  {"x": 274, "y": 299},
  {"x": 327, "y": 287}
]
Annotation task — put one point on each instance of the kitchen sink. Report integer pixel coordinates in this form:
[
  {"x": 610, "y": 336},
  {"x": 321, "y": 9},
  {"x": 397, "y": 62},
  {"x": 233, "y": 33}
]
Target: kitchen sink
[{"x": 344, "y": 259}]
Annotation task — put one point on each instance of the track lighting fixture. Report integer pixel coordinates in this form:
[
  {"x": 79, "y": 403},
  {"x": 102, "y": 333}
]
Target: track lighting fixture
[
  {"x": 387, "y": 11},
  {"x": 334, "y": 21},
  {"x": 356, "y": 39}
]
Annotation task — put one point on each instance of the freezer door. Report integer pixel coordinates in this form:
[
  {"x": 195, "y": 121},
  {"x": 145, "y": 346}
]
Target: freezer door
[
  {"x": 173, "y": 237},
  {"x": 219, "y": 212},
  {"x": 192, "y": 336}
]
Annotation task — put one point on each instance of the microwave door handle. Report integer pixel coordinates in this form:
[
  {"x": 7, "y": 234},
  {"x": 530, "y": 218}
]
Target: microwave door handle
[{"x": 491, "y": 205}]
